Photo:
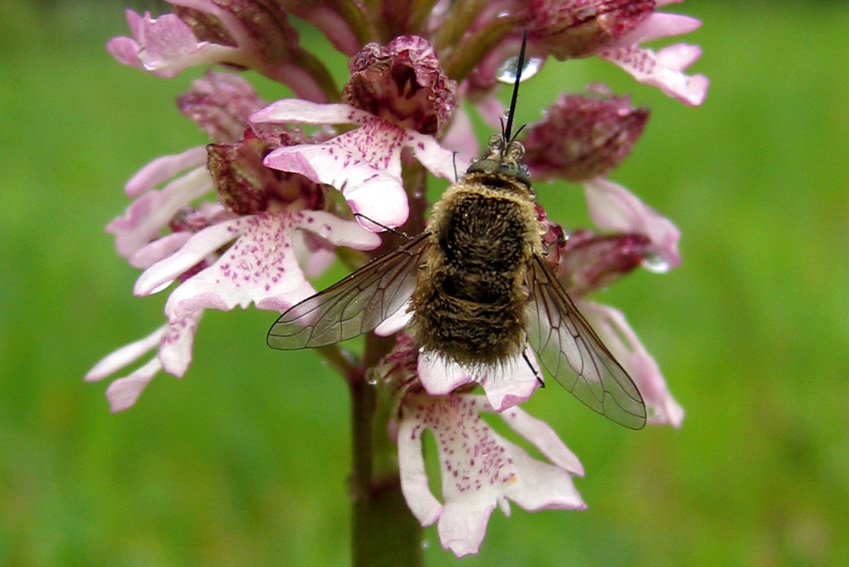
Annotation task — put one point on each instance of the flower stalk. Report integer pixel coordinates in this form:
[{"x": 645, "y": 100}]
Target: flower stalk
[{"x": 383, "y": 531}]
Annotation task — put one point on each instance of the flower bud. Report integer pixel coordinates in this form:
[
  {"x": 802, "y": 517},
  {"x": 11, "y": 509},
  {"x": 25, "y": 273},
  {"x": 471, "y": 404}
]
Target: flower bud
[
  {"x": 220, "y": 104},
  {"x": 259, "y": 27},
  {"x": 589, "y": 262},
  {"x": 402, "y": 83},
  {"x": 582, "y": 137},
  {"x": 584, "y": 261},
  {"x": 578, "y": 28},
  {"x": 246, "y": 186}
]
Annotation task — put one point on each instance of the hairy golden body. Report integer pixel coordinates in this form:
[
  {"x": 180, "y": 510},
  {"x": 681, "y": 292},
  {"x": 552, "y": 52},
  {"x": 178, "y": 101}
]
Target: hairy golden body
[{"x": 471, "y": 297}]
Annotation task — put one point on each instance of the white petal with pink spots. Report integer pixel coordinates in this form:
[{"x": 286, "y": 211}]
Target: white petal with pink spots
[{"x": 480, "y": 469}]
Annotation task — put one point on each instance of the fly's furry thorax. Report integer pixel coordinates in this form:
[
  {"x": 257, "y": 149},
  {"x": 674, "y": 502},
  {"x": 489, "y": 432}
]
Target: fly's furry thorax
[{"x": 502, "y": 208}]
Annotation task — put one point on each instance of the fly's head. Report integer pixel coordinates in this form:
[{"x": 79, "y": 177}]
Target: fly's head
[{"x": 502, "y": 159}]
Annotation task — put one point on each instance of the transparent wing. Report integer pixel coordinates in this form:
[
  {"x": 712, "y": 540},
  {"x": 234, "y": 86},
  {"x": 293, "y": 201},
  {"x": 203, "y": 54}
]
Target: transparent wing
[
  {"x": 572, "y": 352},
  {"x": 355, "y": 305}
]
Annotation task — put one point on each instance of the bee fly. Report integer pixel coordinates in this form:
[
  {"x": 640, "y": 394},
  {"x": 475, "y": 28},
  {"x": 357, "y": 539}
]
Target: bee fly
[{"x": 478, "y": 289}]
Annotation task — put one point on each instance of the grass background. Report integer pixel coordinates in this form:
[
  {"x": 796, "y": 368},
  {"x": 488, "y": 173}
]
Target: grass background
[{"x": 244, "y": 462}]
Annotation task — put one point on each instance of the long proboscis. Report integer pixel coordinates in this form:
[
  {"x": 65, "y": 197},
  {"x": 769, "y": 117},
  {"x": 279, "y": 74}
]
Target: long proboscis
[{"x": 519, "y": 66}]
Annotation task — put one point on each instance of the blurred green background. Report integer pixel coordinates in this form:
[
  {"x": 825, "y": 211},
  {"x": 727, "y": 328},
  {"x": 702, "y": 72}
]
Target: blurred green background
[{"x": 244, "y": 462}]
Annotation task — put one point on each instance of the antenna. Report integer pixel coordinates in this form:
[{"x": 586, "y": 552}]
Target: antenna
[{"x": 519, "y": 65}]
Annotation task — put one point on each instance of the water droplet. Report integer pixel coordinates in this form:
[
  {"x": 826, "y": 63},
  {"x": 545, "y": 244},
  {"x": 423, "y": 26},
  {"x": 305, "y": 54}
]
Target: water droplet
[
  {"x": 655, "y": 263},
  {"x": 371, "y": 376},
  {"x": 425, "y": 544},
  {"x": 506, "y": 72}
]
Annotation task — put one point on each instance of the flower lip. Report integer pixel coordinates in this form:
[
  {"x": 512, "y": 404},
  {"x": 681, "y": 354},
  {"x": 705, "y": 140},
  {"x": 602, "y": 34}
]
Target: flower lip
[
  {"x": 364, "y": 163},
  {"x": 480, "y": 470}
]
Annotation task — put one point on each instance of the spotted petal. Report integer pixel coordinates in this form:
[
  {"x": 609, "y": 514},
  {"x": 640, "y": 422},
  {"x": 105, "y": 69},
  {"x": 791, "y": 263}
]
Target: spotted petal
[
  {"x": 505, "y": 385},
  {"x": 259, "y": 268},
  {"x": 480, "y": 469},
  {"x": 364, "y": 163}
]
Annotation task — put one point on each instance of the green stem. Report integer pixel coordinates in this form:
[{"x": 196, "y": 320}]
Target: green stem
[
  {"x": 463, "y": 14},
  {"x": 461, "y": 62},
  {"x": 356, "y": 16},
  {"x": 341, "y": 360},
  {"x": 318, "y": 72},
  {"x": 419, "y": 12},
  {"x": 385, "y": 533}
]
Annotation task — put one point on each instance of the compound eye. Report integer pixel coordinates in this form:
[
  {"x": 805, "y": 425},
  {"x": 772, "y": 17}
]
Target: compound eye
[
  {"x": 509, "y": 169},
  {"x": 524, "y": 175},
  {"x": 483, "y": 166}
]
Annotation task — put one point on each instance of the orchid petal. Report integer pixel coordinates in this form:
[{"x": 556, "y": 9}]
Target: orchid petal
[
  {"x": 145, "y": 218},
  {"x": 168, "y": 45},
  {"x": 164, "y": 168},
  {"x": 480, "y": 470},
  {"x": 614, "y": 208},
  {"x": 424, "y": 506},
  {"x": 124, "y": 392},
  {"x": 124, "y": 356},
  {"x": 626, "y": 347},
  {"x": 657, "y": 26},
  {"x": 441, "y": 376},
  {"x": 364, "y": 163},
  {"x": 259, "y": 267},
  {"x": 395, "y": 322},
  {"x": 175, "y": 350},
  {"x": 192, "y": 252},
  {"x": 337, "y": 231},
  {"x": 125, "y": 50},
  {"x": 460, "y": 137},
  {"x": 543, "y": 486},
  {"x": 505, "y": 385},
  {"x": 158, "y": 250},
  {"x": 305, "y": 112},
  {"x": 660, "y": 70},
  {"x": 511, "y": 383},
  {"x": 371, "y": 183},
  {"x": 544, "y": 438}
]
